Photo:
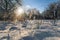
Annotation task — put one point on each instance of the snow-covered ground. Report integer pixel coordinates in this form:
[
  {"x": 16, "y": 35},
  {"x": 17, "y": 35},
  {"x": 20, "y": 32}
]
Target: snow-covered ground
[{"x": 30, "y": 30}]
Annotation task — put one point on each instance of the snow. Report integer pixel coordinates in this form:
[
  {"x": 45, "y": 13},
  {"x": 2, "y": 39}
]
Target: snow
[{"x": 39, "y": 29}]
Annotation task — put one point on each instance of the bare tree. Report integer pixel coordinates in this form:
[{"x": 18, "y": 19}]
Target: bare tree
[
  {"x": 52, "y": 11},
  {"x": 8, "y": 6}
]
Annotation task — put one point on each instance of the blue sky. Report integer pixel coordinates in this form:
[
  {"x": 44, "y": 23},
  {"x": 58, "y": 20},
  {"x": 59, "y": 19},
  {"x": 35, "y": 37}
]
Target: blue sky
[{"x": 38, "y": 4}]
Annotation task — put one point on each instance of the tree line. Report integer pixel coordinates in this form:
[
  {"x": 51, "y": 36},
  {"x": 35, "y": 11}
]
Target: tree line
[{"x": 7, "y": 8}]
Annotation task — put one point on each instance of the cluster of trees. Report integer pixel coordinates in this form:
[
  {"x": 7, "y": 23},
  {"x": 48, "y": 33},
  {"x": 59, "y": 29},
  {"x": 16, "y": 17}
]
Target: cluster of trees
[
  {"x": 34, "y": 14},
  {"x": 53, "y": 11},
  {"x": 7, "y": 8}
]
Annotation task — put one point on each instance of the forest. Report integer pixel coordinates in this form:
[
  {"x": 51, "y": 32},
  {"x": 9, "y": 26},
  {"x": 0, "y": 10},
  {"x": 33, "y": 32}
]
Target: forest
[{"x": 7, "y": 8}]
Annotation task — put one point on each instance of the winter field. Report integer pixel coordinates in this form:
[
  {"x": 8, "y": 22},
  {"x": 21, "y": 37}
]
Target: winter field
[{"x": 30, "y": 30}]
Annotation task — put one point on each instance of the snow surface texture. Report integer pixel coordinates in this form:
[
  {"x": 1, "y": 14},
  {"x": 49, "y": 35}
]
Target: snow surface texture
[{"x": 30, "y": 30}]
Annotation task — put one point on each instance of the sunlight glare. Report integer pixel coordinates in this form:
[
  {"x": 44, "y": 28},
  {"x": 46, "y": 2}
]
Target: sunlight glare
[{"x": 19, "y": 11}]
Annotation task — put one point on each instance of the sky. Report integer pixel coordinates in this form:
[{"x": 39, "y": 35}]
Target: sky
[{"x": 38, "y": 4}]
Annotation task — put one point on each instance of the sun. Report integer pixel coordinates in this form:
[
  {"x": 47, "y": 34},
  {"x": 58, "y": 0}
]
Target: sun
[{"x": 19, "y": 11}]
